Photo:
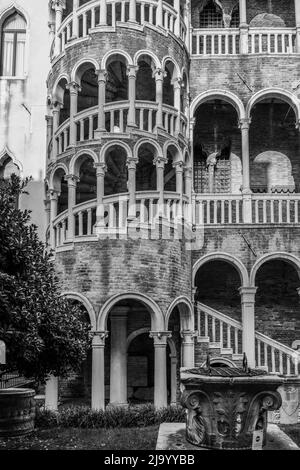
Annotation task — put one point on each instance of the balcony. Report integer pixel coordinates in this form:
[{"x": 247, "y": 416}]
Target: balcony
[
  {"x": 116, "y": 211},
  {"x": 224, "y": 42},
  {"x": 116, "y": 115},
  {"x": 88, "y": 17}
]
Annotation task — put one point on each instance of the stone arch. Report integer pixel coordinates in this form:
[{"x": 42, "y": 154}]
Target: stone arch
[
  {"x": 86, "y": 303},
  {"x": 153, "y": 143},
  {"x": 186, "y": 313},
  {"x": 79, "y": 68},
  {"x": 177, "y": 155},
  {"x": 76, "y": 160},
  {"x": 146, "y": 52},
  {"x": 10, "y": 10},
  {"x": 157, "y": 318},
  {"x": 7, "y": 153},
  {"x": 280, "y": 256},
  {"x": 57, "y": 90},
  {"x": 224, "y": 95},
  {"x": 52, "y": 182},
  {"x": 115, "y": 53},
  {"x": 219, "y": 256},
  {"x": 279, "y": 93},
  {"x": 114, "y": 143},
  {"x": 175, "y": 64}
]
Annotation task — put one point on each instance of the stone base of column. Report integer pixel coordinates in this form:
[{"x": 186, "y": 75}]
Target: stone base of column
[
  {"x": 98, "y": 133},
  {"x": 117, "y": 405}
]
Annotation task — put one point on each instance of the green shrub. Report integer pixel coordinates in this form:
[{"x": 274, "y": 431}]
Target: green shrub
[{"x": 85, "y": 417}]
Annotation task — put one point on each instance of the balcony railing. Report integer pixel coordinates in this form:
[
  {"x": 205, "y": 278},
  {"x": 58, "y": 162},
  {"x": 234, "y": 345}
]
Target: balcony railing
[
  {"x": 226, "y": 209},
  {"x": 88, "y": 18},
  {"x": 223, "y": 42},
  {"x": 116, "y": 210},
  {"x": 116, "y": 122}
]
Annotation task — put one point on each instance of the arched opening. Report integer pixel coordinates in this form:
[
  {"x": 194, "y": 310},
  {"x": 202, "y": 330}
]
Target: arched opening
[
  {"x": 8, "y": 167},
  {"x": 13, "y": 45},
  {"x": 145, "y": 81},
  {"x": 168, "y": 85},
  {"x": 169, "y": 170},
  {"x": 211, "y": 16},
  {"x": 76, "y": 387},
  {"x": 68, "y": 8},
  {"x": 277, "y": 301},
  {"x": 88, "y": 93},
  {"x": 86, "y": 188},
  {"x": 217, "y": 283},
  {"x": 184, "y": 93},
  {"x": 217, "y": 146},
  {"x": 60, "y": 185},
  {"x": 62, "y": 96},
  {"x": 117, "y": 80},
  {"x": 146, "y": 170},
  {"x": 273, "y": 164},
  {"x": 116, "y": 176}
]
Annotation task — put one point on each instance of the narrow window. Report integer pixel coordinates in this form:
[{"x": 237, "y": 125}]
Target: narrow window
[{"x": 13, "y": 46}]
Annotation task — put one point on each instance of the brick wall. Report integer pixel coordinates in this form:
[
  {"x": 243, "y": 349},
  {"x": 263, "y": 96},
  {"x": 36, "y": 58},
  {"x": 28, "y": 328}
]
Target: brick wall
[{"x": 285, "y": 9}]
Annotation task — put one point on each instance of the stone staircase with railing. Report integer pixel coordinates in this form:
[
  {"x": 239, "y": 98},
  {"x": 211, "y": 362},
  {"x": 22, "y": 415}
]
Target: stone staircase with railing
[{"x": 221, "y": 337}]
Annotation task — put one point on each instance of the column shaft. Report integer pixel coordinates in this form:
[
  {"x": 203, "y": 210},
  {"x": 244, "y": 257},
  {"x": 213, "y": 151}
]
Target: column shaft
[
  {"x": 132, "y": 11},
  {"x": 100, "y": 173},
  {"x": 297, "y": 17},
  {"x": 173, "y": 380},
  {"x": 103, "y": 13},
  {"x": 75, "y": 28},
  {"x": 98, "y": 384},
  {"x": 131, "y": 72},
  {"x": 102, "y": 76},
  {"x": 160, "y": 368},
  {"x": 244, "y": 28},
  {"x": 159, "y": 78},
  {"x": 51, "y": 394},
  {"x": 131, "y": 164},
  {"x": 248, "y": 320},
  {"x": 188, "y": 349},
  {"x": 118, "y": 355},
  {"x": 72, "y": 183},
  {"x": 73, "y": 87}
]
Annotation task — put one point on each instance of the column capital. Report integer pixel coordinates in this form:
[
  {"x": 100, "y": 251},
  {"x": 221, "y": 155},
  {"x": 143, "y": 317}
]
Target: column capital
[
  {"x": 102, "y": 75},
  {"x": 131, "y": 163},
  {"x": 244, "y": 123},
  {"x": 99, "y": 339},
  {"x": 54, "y": 194},
  {"x": 74, "y": 88},
  {"x": 49, "y": 119},
  {"x": 159, "y": 162},
  {"x": 160, "y": 338},
  {"x": 57, "y": 5},
  {"x": 178, "y": 167},
  {"x": 131, "y": 71},
  {"x": 188, "y": 336},
  {"x": 56, "y": 106},
  {"x": 101, "y": 168},
  {"x": 177, "y": 83},
  {"x": 188, "y": 172},
  {"x": 159, "y": 74},
  {"x": 72, "y": 180},
  {"x": 247, "y": 294}
]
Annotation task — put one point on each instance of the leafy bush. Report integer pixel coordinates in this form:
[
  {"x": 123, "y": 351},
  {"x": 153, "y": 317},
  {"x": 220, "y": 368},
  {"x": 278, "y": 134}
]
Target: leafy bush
[{"x": 133, "y": 416}]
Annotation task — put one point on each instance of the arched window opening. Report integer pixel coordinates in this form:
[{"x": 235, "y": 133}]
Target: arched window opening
[
  {"x": 117, "y": 82},
  {"x": 146, "y": 170},
  {"x": 235, "y": 17},
  {"x": 145, "y": 82},
  {"x": 86, "y": 188},
  {"x": 13, "y": 43},
  {"x": 116, "y": 176},
  {"x": 88, "y": 94},
  {"x": 168, "y": 87},
  {"x": 170, "y": 174},
  {"x": 8, "y": 168},
  {"x": 211, "y": 16}
]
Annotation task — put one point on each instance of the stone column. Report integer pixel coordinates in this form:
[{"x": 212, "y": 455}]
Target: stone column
[
  {"x": 51, "y": 26},
  {"x": 177, "y": 21},
  {"x": 244, "y": 28},
  {"x": 188, "y": 345},
  {"x": 159, "y": 79},
  {"x": 131, "y": 72},
  {"x": 188, "y": 178},
  {"x": 179, "y": 177},
  {"x": 102, "y": 77},
  {"x": 118, "y": 356},
  {"x": 53, "y": 213},
  {"x": 98, "y": 384},
  {"x": 58, "y": 7},
  {"x": 159, "y": 13},
  {"x": 160, "y": 367},
  {"x": 248, "y": 320},
  {"x": 51, "y": 394},
  {"x": 247, "y": 202},
  {"x": 56, "y": 113},
  {"x": 100, "y": 173},
  {"x": 72, "y": 184},
  {"x": 103, "y": 13},
  {"x": 173, "y": 359},
  {"x": 49, "y": 120},
  {"x": 177, "y": 102},
  {"x": 75, "y": 25},
  {"x": 74, "y": 89},
  {"x": 160, "y": 168},
  {"x": 297, "y": 17},
  {"x": 131, "y": 165},
  {"x": 132, "y": 11}
]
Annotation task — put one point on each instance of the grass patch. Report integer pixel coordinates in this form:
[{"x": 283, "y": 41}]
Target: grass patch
[
  {"x": 84, "y": 439},
  {"x": 138, "y": 416}
]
